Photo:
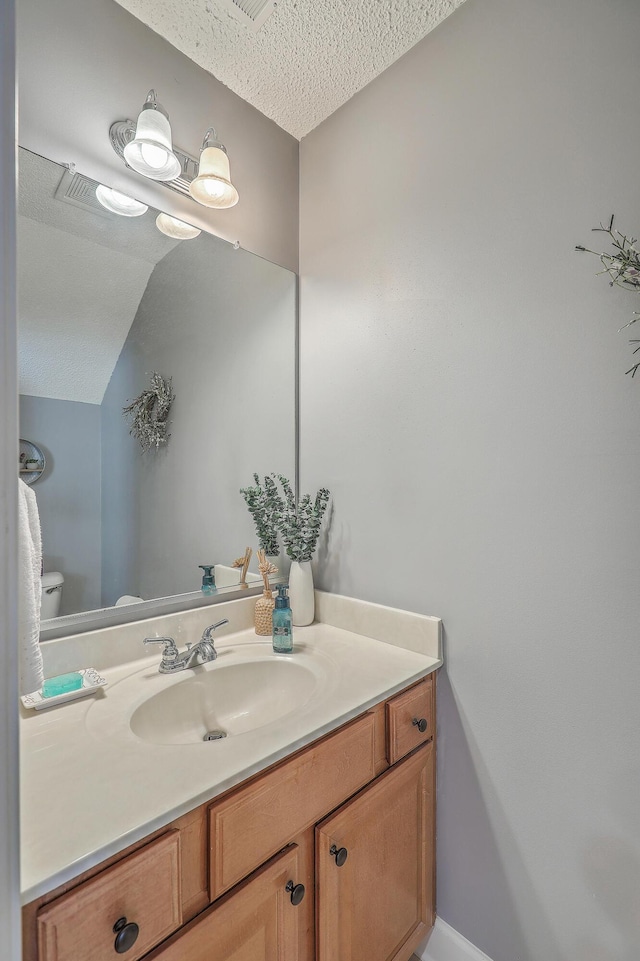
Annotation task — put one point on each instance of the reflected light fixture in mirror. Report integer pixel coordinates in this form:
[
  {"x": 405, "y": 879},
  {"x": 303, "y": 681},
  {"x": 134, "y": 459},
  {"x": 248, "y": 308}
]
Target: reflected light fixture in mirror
[
  {"x": 212, "y": 187},
  {"x": 175, "y": 228},
  {"x": 150, "y": 153},
  {"x": 119, "y": 203}
]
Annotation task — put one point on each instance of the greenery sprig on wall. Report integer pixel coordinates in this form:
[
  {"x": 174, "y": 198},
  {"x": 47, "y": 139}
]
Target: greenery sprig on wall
[
  {"x": 622, "y": 267},
  {"x": 149, "y": 413}
]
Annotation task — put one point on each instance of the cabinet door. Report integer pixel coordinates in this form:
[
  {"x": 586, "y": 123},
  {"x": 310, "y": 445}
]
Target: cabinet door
[
  {"x": 378, "y": 904},
  {"x": 257, "y": 921}
]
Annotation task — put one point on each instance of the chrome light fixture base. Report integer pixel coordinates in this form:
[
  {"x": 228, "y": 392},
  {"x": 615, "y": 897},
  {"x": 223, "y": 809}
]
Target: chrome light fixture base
[{"x": 122, "y": 132}]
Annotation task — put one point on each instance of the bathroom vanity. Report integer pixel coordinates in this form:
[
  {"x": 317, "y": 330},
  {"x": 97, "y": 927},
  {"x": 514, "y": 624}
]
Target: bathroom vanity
[{"x": 313, "y": 840}]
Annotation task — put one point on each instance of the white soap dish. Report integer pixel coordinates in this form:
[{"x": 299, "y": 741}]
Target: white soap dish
[{"x": 91, "y": 682}]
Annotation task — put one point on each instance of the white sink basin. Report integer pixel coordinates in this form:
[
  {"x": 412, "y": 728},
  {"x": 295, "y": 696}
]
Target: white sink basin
[{"x": 232, "y": 699}]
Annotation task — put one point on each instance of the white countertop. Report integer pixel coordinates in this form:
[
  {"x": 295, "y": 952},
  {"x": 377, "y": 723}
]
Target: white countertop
[{"x": 90, "y": 787}]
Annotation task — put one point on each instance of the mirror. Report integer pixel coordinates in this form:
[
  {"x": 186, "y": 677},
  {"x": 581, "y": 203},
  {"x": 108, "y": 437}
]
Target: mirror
[{"x": 104, "y": 301}]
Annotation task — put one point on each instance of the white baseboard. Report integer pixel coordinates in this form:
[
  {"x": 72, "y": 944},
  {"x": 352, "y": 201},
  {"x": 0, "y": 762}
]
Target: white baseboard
[{"x": 446, "y": 944}]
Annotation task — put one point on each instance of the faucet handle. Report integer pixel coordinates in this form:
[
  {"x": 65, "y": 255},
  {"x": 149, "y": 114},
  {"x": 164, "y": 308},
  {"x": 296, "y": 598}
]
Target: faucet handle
[
  {"x": 208, "y": 631},
  {"x": 170, "y": 650}
]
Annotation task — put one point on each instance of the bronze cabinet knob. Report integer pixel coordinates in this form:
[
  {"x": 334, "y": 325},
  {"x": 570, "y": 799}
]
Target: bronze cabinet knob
[
  {"x": 297, "y": 892},
  {"x": 340, "y": 854},
  {"x": 126, "y": 935},
  {"x": 420, "y": 723}
]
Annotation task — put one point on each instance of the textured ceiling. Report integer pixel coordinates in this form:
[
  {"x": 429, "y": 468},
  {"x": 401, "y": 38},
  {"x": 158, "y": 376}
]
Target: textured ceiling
[
  {"x": 81, "y": 276},
  {"x": 306, "y": 60}
]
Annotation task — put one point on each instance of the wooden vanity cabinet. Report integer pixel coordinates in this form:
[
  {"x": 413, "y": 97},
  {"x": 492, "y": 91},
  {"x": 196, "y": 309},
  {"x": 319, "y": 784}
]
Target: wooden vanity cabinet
[{"x": 223, "y": 882}]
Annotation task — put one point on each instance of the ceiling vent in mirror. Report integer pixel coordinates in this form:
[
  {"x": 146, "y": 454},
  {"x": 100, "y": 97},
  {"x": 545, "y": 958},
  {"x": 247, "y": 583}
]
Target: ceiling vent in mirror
[
  {"x": 79, "y": 191},
  {"x": 253, "y": 13}
]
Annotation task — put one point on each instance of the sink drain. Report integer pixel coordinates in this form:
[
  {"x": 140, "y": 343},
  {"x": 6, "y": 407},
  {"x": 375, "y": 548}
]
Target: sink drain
[{"x": 214, "y": 735}]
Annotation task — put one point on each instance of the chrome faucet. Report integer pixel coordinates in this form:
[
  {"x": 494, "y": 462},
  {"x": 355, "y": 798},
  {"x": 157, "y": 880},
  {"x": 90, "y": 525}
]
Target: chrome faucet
[{"x": 195, "y": 654}]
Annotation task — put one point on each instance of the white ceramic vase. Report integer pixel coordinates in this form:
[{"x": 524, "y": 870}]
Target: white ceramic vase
[{"x": 301, "y": 595}]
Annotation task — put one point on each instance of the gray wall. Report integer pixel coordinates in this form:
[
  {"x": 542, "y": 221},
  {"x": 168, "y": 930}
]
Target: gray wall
[
  {"x": 221, "y": 323},
  {"x": 464, "y": 397},
  {"x": 84, "y": 63},
  {"x": 68, "y": 494}
]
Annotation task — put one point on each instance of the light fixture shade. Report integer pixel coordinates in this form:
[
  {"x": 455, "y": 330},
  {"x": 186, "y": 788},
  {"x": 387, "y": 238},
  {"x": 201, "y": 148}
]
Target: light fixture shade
[
  {"x": 150, "y": 153},
  {"x": 212, "y": 187},
  {"x": 119, "y": 203},
  {"x": 175, "y": 228}
]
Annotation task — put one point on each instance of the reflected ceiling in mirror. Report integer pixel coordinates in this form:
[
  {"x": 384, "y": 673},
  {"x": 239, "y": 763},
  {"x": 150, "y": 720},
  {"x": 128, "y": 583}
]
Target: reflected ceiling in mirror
[{"x": 103, "y": 302}]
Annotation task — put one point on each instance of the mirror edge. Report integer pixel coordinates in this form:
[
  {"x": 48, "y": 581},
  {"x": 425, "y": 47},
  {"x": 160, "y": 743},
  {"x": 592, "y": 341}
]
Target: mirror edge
[{"x": 87, "y": 621}]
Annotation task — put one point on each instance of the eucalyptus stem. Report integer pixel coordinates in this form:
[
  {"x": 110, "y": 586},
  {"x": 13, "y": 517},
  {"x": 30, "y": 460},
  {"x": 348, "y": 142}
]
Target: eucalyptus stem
[
  {"x": 622, "y": 268},
  {"x": 300, "y": 522},
  {"x": 264, "y": 503}
]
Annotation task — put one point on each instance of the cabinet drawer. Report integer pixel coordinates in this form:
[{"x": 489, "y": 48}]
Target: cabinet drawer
[
  {"x": 249, "y": 826},
  {"x": 406, "y": 714},
  {"x": 144, "y": 888}
]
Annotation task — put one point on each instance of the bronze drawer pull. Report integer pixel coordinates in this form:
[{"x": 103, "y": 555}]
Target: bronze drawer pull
[
  {"x": 421, "y": 724},
  {"x": 126, "y": 935}
]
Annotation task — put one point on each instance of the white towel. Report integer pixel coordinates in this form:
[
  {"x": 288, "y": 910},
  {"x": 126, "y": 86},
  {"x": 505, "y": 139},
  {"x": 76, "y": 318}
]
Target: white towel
[{"x": 29, "y": 591}]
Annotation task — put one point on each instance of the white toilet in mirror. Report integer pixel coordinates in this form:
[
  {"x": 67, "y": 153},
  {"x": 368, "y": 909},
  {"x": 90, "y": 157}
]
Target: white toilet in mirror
[{"x": 51, "y": 595}]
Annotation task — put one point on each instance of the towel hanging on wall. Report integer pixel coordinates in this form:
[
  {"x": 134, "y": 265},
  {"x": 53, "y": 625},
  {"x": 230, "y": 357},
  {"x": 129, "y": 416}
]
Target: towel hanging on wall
[{"x": 29, "y": 591}]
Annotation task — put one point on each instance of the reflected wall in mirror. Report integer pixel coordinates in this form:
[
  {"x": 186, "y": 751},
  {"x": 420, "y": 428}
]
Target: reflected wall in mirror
[{"x": 103, "y": 302}]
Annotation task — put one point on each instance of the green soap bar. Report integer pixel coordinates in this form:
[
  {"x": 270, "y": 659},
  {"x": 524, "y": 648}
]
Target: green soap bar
[{"x": 62, "y": 684}]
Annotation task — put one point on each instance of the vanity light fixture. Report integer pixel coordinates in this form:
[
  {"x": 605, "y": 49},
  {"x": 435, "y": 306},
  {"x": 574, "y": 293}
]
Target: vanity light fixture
[
  {"x": 212, "y": 187},
  {"x": 150, "y": 153},
  {"x": 175, "y": 228},
  {"x": 119, "y": 203},
  {"x": 146, "y": 145}
]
